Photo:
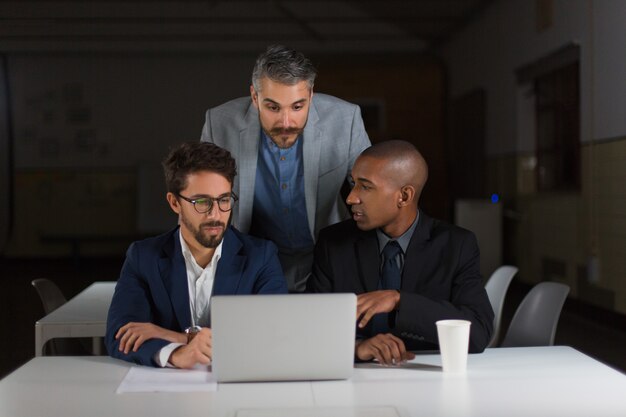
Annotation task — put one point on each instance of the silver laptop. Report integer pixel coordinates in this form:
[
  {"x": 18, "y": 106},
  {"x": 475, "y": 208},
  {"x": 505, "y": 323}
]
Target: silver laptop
[{"x": 283, "y": 337}]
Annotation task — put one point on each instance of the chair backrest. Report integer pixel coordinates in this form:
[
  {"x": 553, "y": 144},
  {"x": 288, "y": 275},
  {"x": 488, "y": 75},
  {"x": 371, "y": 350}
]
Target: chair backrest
[
  {"x": 535, "y": 320},
  {"x": 496, "y": 288},
  {"x": 51, "y": 296}
]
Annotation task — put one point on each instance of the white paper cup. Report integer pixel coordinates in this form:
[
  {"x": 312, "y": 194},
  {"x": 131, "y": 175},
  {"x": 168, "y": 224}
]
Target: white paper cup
[{"x": 453, "y": 344}]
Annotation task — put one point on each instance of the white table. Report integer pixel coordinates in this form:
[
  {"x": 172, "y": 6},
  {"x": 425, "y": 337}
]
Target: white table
[
  {"x": 85, "y": 315},
  {"x": 541, "y": 381}
]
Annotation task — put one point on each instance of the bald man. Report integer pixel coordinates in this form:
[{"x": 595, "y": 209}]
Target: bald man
[{"x": 407, "y": 269}]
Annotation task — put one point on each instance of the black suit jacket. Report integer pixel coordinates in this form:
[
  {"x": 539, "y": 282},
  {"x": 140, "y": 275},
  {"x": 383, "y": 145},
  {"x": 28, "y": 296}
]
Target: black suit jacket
[{"x": 440, "y": 278}]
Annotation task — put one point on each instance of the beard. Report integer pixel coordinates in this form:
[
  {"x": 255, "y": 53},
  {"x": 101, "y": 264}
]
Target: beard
[
  {"x": 201, "y": 237},
  {"x": 281, "y": 136}
]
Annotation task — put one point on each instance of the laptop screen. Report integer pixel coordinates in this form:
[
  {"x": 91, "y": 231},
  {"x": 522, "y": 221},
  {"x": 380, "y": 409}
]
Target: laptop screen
[{"x": 283, "y": 337}]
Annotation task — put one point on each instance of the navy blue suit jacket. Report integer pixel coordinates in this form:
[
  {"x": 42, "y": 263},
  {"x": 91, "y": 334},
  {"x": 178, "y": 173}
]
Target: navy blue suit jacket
[
  {"x": 440, "y": 279},
  {"x": 153, "y": 284}
]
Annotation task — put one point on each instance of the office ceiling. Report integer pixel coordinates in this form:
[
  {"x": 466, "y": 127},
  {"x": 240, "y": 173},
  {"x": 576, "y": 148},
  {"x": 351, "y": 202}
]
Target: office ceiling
[{"x": 233, "y": 25}]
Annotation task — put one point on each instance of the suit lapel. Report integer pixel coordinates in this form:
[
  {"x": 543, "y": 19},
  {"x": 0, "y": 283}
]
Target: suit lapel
[
  {"x": 246, "y": 165},
  {"x": 174, "y": 276},
  {"x": 366, "y": 247},
  {"x": 311, "y": 160},
  {"x": 415, "y": 257},
  {"x": 230, "y": 266}
]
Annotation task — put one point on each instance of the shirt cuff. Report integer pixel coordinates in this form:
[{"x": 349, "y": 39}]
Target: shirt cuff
[{"x": 162, "y": 357}]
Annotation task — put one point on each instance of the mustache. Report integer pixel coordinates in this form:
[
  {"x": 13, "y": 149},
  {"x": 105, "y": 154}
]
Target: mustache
[
  {"x": 214, "y": 223},
  {"x": 285, "y": 131}
]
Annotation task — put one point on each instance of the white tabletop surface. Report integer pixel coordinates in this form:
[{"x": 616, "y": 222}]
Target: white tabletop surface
[
  {"x": 84, "y": 315},
  {"x": 541, "y": 381},
  {"x": 89, "y": 306}
]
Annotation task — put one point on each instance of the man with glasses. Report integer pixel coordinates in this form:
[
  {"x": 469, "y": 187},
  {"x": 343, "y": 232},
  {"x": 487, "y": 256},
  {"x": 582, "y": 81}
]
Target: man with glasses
[{"x": 159, "y": 315}]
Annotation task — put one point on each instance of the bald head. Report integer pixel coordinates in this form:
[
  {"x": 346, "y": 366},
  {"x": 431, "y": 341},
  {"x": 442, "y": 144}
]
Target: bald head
[
  {"x": 388, "y": 179},
  {"x": 403, "y": 163}
]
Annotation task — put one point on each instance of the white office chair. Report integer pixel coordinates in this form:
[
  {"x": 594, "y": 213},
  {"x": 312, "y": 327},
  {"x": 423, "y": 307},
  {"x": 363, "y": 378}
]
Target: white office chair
[
  {"x": 536, "y": 318},
  {"x": 496, "y": 288}
]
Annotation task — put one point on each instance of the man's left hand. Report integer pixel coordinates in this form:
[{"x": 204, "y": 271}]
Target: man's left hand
[
  {"x": 386, "y": 348},
  {"x": 132, "y": 335},
  {"x": 370, "y": 303}
]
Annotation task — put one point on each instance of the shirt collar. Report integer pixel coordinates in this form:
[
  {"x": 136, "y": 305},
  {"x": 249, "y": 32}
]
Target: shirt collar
[
  {"x": 403, "y": 240},
  {"x": 189, "y": 256}
]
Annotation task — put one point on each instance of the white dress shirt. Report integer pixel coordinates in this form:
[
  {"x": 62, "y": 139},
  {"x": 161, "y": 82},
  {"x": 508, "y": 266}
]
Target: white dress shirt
[{"x": 200, "y": 284}]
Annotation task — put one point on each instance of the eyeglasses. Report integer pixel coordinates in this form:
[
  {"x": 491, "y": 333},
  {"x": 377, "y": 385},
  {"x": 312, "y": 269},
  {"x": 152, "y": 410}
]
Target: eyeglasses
[{"x": 205, "y": 204}]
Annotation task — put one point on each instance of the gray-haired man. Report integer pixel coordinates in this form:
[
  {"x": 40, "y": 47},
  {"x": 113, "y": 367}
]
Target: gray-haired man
[{"x": 294, "y": 151}]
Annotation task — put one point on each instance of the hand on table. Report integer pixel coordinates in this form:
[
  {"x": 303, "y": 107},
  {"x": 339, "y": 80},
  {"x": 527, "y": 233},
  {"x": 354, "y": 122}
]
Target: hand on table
[
  {"x": 386, "y": 348},
  {"x": 132, "y": 335},
  {"x": 370, "y": 303},
  {"x": 199, "y": 350}
]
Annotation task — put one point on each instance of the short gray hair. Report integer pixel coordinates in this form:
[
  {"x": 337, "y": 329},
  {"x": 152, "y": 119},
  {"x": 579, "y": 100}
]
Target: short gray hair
[{"x": 283, "y": 65}]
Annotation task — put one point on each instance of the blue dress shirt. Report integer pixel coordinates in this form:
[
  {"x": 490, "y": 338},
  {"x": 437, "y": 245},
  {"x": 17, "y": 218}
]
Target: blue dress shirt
[
  {"x": 403, "y": 241},
  {"x": 279, "y": 209}
]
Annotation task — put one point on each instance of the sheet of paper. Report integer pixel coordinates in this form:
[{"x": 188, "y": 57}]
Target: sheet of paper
[
  {"x": 373, "y": 372},
  {"x": 321, "y": 412},
  {"x": 146, "y": 379}
]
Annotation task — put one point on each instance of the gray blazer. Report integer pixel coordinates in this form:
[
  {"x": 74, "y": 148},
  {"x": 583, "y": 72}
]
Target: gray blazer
[{"x": 333, "y": 137}]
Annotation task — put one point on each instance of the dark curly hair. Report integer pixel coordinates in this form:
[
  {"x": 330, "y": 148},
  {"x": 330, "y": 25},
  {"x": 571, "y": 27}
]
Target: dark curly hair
[{"x": 191, "y": 157}]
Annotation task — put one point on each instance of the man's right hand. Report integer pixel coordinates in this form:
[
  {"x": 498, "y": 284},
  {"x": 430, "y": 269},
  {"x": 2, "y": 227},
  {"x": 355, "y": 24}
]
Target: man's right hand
[
  {"x": 199, "y": 350},
  {"x": 386, "y": 348}
]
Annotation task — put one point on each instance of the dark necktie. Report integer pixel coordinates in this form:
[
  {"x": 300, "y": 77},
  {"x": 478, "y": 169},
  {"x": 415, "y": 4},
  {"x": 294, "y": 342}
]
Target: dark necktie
[
  {"x": 390, "y": 279},
  {"x": 391, "y": 270}
]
